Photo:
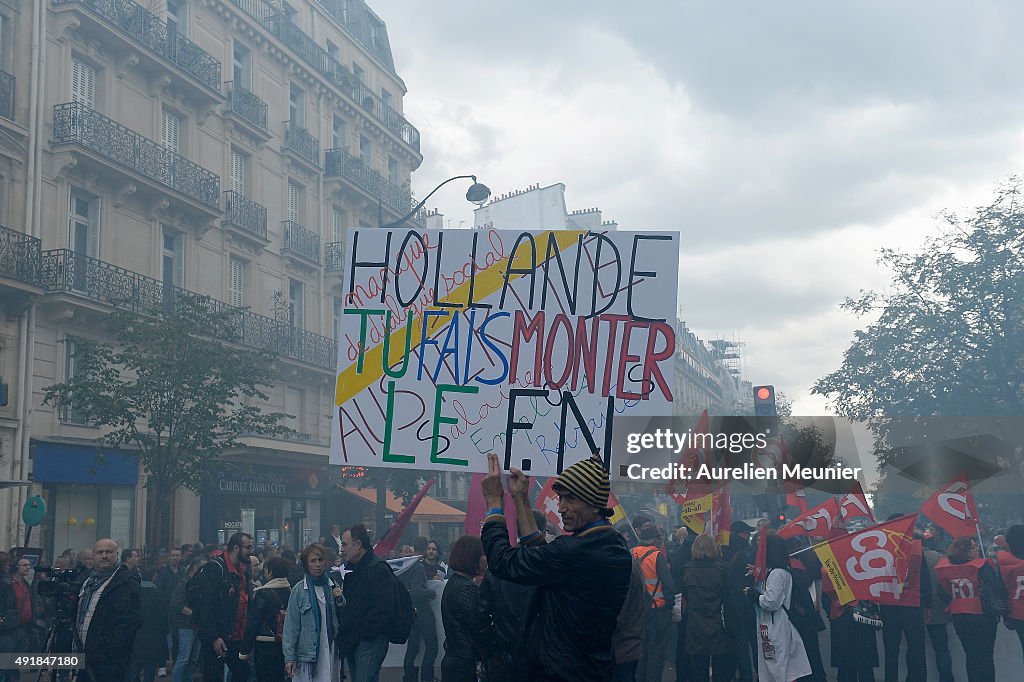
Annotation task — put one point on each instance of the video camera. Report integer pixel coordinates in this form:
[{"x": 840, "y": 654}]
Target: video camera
[{"x": 60, "y": 585}]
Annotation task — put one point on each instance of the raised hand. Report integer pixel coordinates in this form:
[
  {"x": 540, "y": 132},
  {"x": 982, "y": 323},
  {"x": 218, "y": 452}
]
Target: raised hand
[{"x": 491, "y": 483}]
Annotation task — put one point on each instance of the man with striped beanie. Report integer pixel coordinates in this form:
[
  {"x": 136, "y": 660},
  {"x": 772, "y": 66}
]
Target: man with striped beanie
[{"x": 581, "y": 577}]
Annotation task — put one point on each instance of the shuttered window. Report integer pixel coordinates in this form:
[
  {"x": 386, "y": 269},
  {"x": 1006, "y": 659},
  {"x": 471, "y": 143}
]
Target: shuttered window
[
  {"x": 238, "y": 163},
  {"x": 337, "y": 225},
  {"x": 236, "y": 282},
  {"x": 294, "y": 201},
  {"x": 83, "y": 83},
  {"x": 170, "y": 132}
]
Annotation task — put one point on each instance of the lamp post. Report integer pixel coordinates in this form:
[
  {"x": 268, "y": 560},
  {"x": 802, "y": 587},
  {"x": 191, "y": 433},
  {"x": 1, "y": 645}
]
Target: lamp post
[{"x": 477, "y": 193}]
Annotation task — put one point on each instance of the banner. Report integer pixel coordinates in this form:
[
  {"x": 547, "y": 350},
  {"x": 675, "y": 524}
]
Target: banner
[
  {"x": 456, "y": 343},
  {"x": 818, "y": 522},
  {"x": 871, "y": 564},
  {"x": 952, "y": 508}
]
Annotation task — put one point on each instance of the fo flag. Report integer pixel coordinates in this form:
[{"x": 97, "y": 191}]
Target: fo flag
[
  {"x": 872, "y": 564},
  {"x": 952, "y": 508},
  {"x": 818, "y": 522}
]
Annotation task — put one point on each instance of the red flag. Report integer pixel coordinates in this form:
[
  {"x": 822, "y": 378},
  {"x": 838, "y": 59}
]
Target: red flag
[
  {"x": 818, "y": 522},
  {"x": 692, "y": 458},
  {"x": 761, "y": 557},
  {"x": 952, "y": 507},
  {"x": 390, "y": 539},
  {"x": 854, "y": 505},
  {"x": 872, "y": 564},
  {"x": 796, "y": 495}
]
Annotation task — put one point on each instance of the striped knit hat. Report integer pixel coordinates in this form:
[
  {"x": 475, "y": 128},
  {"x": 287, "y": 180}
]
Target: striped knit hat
[{"x": 587, "y": 480}]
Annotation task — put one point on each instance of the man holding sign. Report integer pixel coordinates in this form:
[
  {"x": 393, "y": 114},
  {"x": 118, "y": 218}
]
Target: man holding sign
[{"x": 581, "y": 578}]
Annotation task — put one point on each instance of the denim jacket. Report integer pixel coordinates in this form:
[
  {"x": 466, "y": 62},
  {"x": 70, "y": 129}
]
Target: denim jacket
[{"x": 299, "y": 639}]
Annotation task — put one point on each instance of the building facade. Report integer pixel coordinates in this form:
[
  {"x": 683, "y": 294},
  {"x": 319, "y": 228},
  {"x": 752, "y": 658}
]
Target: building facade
[{"x": 221, "y": 147}]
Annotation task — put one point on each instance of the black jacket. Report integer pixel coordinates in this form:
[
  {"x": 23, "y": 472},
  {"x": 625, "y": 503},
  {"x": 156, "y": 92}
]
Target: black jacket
[
  {"x": 116, "y": 620},
  {"x": 415, "y": 580},
  {"x": 581, "y": 581},
  {"x": 504, "y": 604},
  {"x": 466, "y": 634},
  {"x": 368, "y": 597},
  {"x": 150, "y": 645},
  {"x": 167, "y": 580},
  {"x": 266, "y": 602},
  {"x": 218, "y": 594},
  {"x": 704, "y": 590}
]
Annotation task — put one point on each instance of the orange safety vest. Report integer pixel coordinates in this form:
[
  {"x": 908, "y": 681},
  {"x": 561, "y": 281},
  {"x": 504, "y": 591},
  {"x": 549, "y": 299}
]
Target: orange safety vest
[
  {"x": 962, "y": 583},
  {"x": 648, "y": 558},
  {"x": 1012, "y": 570}
]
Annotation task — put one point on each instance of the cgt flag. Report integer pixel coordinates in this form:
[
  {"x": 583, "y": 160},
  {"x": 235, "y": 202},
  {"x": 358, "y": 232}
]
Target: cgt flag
[
  {"x": 871, "y": 564},
  {"x": 854, "y": 505},
  {"x": 952, "y": 508},
  {"x": 818, "y": 522}
]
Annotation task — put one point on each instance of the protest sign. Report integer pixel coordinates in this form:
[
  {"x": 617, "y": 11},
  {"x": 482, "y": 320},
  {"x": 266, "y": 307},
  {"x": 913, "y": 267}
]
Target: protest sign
[{"x": 456, "y": 343}]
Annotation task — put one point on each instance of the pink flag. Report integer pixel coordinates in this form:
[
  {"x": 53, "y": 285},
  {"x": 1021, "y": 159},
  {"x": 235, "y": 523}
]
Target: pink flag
[{"x": 390, "y": 539}]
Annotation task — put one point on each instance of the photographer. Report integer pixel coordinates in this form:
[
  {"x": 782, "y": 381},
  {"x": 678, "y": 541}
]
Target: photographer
[{"x": 109, "y": 614}]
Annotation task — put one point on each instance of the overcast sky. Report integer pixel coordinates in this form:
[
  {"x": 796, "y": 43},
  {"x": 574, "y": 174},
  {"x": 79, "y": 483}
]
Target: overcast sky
[{"x": 786, "y": 141}]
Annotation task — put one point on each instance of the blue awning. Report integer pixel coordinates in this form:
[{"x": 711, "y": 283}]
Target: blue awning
[{"x": 61, "y": 463}]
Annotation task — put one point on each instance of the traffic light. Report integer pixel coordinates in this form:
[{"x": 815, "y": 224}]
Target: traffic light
[{"x": 765, "y": 414}]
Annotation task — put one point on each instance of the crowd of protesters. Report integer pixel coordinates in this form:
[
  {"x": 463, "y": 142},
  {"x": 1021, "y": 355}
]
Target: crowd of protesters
[{"x": 588, "y": 605}]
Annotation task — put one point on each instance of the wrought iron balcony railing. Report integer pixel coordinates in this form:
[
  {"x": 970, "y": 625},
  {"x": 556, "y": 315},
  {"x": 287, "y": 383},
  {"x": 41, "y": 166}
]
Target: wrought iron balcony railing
[
  {"x": 19, "y": 255},
  {"x": 247, "y": 105},
  {"x": 300, "y": 141},
  {"x": 301, "y": 241},
  {"x": 64, "y": 271},
  {"x": 338, "y": 162},
  {"x": 7, "y": 95},
  {"x": 78, "y": 124},
  {"x": 245, "y": 214},
  {"x": 334, "y": 256},
  {"x": 150, "y": 31},
  {"x": 328, "y": 67}
]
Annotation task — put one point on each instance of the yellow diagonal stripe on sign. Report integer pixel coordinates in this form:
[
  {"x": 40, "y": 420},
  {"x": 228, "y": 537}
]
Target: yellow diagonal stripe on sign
[
  {"x": 698, "y": 505},
  {"x": 350, "y": 382},
  {"x": 835, "y": 573}
]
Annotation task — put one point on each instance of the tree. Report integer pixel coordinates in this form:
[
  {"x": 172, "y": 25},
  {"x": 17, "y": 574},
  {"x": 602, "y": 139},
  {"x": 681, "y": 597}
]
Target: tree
[
  {"x": 948, "y": 335},
  {"x": 174, "y": 387}
]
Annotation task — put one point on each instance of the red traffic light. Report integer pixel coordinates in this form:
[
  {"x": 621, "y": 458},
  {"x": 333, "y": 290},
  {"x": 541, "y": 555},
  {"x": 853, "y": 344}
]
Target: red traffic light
[
  {"x": 782, "y": 518},
  {"x": 764, "y": 393}
]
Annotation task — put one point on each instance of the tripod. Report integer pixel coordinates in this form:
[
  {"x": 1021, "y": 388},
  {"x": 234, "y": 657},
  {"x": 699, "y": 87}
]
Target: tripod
[{"x": 59, "y": 639}]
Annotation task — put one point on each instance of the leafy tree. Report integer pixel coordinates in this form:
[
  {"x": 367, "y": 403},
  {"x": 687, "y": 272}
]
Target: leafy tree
[
  {"x": 175, "y": 388},
  {"x": 947, "y": 338}
]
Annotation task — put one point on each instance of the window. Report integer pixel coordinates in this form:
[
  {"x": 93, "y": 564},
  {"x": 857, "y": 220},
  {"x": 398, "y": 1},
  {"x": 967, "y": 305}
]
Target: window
[
  {"x": 241, "y": 66},
  {"x": 172, "y": 259},
  {"x": 339, "y": 133},
  {"x": 83, "y": 224},
  {"x": 393, "y": 174},
  {"x": 296, "y": 306},
  {"x": 236, "y": 281},
  {"x": 366, "y": 150},
  {"x": 293, "y": 399},
  {"x": 339, "y": 308},
  {"x": 294, "y": 202},
  {"x": 170, "y": 131},
  {"x": 385, "y": 97},
  {"x": 68, "y": 413},
  {"x": 296, "y": 106},
  {"x": 332, "y": 51},
  {"x": 177, "y": 18},
  {"x": 358, "y": 72},
  {"x": 83, "y": 83},
  {"x": 239, "y": 164},
  {"x": 337, "y": 224},
  {"x": 4, "y": 42}
]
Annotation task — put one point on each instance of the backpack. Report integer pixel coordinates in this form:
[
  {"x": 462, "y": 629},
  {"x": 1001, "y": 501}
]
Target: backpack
[{"x": 403, "y": 615}]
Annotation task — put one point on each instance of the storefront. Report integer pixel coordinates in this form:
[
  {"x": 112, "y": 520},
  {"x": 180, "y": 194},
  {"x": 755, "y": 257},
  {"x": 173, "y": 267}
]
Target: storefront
[
  {"x": 273, "y": 504},
  {"x": 87, "y": 497}
]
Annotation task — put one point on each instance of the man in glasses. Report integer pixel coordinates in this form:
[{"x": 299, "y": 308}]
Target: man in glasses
[{"x": 224, "y": 587}]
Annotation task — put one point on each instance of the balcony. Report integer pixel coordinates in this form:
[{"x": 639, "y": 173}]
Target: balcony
[
  {"x": 250, "y": 108},
  {"x": 19, "y": 259},
  {"x": 76, "y": 124},
  {"x": 301, "y": 242},
  {"x": 245, "y": 215},
  {"x": 339, "y": 163},
  {"x": 299, "y": 141},
  {"x": 334, "y": 71},
  {"x": 7, "y": 95},
  {"x": 65, "y": 272},
  {"x": 334, "y": 256},
  {"x": 146, "y": 29}
]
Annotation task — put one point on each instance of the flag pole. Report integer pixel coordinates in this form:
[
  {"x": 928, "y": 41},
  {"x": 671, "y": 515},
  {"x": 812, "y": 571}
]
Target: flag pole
[{"x": 981, "y": 543}]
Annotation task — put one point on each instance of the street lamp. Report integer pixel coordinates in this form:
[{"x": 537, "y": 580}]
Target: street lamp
[{"x": 477, "y": 193}]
